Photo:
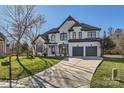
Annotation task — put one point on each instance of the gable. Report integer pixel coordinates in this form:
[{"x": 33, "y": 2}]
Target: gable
[
  {"x": 39, "y": 39},
  {"x": 70, "y": 23},
  {"x": 66, "y": 26}
]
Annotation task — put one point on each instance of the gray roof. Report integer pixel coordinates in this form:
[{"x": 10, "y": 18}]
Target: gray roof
[
  {"x": 87, "y": 27},
  {"x": 45, "y": 35},
  {"x": 54, "y": 30},
  {"x": 84, "y": 26}
]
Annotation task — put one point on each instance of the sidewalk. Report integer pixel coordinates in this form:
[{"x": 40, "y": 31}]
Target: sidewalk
[{"x": 5, "y": 84}]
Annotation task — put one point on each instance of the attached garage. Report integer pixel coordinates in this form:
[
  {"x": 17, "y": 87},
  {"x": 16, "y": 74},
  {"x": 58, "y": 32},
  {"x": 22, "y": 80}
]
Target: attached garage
[
  {"x": 91, "y": 50},
  {"x": 77, "y": 51}
]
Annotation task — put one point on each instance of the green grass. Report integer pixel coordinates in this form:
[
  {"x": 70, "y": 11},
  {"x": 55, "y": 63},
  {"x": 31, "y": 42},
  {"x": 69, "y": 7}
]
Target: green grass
[
  {"x": 102, "y": 76},
  {"x": 29, "y": 66}
]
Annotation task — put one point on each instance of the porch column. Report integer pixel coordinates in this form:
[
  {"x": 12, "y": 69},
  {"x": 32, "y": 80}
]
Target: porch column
[
  {"x": 49, "y": 50},
  {"x": 98, "y": 51},
  {"x": 57, "y": 50}
]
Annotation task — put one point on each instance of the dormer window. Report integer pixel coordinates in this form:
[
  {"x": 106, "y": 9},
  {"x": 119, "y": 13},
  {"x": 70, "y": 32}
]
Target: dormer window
[
  {"x": 91, "y": 34},
  {"x": 52, "y": 37},
  {"x": 74, "y": 35}
]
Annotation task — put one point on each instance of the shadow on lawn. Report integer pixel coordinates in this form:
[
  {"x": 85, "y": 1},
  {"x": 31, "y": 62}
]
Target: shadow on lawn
[
  {"x": 3, "y": 57},
  {"x": 120, "y": 81},
  {"x": 114, "y": 60},
  {"x": 36, "y": 78},
  {"x": 60, "y": 76}
]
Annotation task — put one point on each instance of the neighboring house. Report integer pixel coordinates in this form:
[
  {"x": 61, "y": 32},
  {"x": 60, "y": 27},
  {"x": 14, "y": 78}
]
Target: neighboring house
[
  {"x": 71, "y": 38},
  {"x": 2, "y": 45}
]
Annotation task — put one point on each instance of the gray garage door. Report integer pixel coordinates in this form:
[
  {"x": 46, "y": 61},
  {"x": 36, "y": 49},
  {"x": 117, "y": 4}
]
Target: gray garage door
[
  {"x": 77, "y": 51},
  {"x": 91, "y": 51}
]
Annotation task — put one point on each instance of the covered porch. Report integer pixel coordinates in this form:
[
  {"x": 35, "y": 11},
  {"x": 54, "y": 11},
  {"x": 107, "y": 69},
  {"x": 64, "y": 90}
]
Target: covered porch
[{"x": 57, "y": 49}]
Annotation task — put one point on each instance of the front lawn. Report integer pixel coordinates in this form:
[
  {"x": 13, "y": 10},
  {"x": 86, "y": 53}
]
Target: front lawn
[
  {"x": 102, "y": 76},
  {"x": 27, "y": 66}
]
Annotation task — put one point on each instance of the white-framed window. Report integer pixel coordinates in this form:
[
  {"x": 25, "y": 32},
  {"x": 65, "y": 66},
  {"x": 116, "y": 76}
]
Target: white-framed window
[
  {"x": 52, "y": 37},
  {"x": 91, "y": 34},
  {"x": 63, "y": 36},
  {"x": 74, "y": 35},
  {"x": 80, "y": 35}
]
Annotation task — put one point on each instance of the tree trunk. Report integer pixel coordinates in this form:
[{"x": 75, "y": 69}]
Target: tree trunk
[
  {"x": 17, "y": 57},
  {"x": 27, "y": 53},
  {"x": 17, "y": 51},
  {"x": 34, "y": 50}
]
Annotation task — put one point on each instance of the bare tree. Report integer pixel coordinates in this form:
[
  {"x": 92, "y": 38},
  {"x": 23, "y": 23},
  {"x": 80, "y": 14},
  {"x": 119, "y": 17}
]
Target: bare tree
[
  {"x": 32, "y": 34},
  {"x": 19, "y": 20},
  {"x": 118, "y": 39},
  {"x": 110, "y": 31},
  {"x": 121, "y": 46}
]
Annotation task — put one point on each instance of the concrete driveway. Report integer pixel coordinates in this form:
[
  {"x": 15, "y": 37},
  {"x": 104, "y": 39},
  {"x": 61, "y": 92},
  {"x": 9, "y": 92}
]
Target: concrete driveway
[{"x": 71, "y": 73}]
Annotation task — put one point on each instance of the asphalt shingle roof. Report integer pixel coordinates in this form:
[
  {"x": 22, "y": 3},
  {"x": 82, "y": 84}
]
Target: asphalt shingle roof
[{"x": 84, "y": 26}]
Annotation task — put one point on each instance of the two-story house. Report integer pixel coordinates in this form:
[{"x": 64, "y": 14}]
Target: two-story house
[{"x": 71, "y": 38}]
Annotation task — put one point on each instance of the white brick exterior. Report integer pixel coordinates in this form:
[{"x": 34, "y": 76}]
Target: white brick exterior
[
  {"x": 84, "y": 44},
  {"x": 64, "y": 28}
]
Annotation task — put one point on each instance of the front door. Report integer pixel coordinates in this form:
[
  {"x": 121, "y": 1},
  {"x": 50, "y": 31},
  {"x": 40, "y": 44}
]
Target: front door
[{"x": 63, "y": 49}]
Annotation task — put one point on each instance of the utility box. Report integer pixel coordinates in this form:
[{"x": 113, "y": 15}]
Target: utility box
[{"x": 114, "y": 73}]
